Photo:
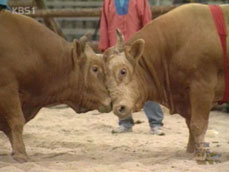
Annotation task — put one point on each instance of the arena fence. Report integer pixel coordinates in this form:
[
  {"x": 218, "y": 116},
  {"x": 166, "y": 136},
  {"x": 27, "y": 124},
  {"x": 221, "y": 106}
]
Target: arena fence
[{"x": 75, "y": 18}]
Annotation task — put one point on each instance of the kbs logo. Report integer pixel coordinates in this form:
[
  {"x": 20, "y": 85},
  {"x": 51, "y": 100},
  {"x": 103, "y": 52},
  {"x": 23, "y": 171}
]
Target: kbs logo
[{"x": 23, "y": 10}]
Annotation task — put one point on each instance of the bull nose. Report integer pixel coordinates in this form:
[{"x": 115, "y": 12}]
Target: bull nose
[
  {"x": 122, "y": 111},
  {"x": 106, "y": 107},
  {"x": 109, "y": 107}
]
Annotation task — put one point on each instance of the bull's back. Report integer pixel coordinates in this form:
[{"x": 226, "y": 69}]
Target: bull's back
[
  {"x": 187, "y": 38},
  {"x": 28, "y": 49},
  {"x": 190, "y": 35},
  {"x": 198, "y": 32},
  {"x": 19, "y": 35},
  {"x": 200, "y": 54}
]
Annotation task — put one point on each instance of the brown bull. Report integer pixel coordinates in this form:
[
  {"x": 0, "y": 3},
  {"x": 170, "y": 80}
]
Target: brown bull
[
  {"x": 176, "y": 60},
  {"x": 39, "y": 68}
]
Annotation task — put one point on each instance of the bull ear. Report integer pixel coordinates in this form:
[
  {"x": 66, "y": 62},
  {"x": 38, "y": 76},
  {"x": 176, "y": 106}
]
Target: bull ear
[
  {"x": 135, "y": 51},
  {"x": 79, "y": 46},
  {"x": 76, "y": 50}
]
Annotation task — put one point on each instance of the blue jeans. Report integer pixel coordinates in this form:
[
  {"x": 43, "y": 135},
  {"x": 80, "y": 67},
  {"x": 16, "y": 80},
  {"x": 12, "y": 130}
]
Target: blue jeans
[{"x": 153, "y": 112}]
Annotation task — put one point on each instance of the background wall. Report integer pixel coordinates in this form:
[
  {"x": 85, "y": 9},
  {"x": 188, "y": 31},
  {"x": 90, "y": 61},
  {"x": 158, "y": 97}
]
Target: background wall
[{"x": 76, "y": 27}]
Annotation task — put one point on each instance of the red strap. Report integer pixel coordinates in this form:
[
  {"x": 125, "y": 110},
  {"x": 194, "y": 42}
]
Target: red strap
[{"x": 218, "y": 17}]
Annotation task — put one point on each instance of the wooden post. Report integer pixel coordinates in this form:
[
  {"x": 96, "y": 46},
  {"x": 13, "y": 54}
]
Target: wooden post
[
  {"x": 21, "y": 3},
  {"x": 49, "y": 21},
  {"x": 90, "y": 12}
]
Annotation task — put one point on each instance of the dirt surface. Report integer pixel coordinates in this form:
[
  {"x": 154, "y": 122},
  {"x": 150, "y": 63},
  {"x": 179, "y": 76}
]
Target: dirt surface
[{"x": 59, "y": 140}]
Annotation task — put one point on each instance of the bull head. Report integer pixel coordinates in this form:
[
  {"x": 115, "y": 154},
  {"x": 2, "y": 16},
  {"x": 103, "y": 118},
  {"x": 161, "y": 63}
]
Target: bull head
[
  {"x": 133, "y": 51},
  {"x": 89, "y": 69},
  {"x": 121, "y": 76}
]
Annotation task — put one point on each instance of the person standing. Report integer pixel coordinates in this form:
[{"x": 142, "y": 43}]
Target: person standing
[{"x": 128, "y": 16}]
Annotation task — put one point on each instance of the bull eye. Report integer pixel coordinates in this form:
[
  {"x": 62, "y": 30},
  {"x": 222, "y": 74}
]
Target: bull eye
[
  {"x": 123, "y": 72},
  {"x": 95, "y": 69}
]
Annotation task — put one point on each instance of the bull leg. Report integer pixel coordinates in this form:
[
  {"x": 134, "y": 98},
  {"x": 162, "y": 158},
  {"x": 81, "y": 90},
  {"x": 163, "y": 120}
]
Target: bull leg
[
  {"x": 191, "y": 141},
  {"x": 201, "y": 102},
  {"x": 8, "y": 133},
  {"x": 14, "y": 134},
  {"x": 13, "y": 115}
]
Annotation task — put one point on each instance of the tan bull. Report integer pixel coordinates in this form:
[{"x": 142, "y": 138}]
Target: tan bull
[
  {"x": 176, "y": 60},
  {"x": 39, "y": 68}
]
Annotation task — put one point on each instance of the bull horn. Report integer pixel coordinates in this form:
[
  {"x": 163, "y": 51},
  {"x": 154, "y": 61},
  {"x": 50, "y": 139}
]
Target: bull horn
[
  {"x": 88, "y": 50},
  {"x": 84, "y": 39},
  {"x": 88, "y": 47},
  {"x": 120, "y": 40}
]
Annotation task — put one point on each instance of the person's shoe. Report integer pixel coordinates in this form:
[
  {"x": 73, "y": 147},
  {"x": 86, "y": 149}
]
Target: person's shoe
[
  {"x": 157, "y": 130},
  {"x": 121, "y": 129}
]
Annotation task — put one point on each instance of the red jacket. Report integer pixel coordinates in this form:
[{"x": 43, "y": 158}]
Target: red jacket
[{"x": 138, "y": 14}]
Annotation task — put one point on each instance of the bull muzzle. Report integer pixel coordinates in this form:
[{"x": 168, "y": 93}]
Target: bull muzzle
[
  {"x": 122, "y": 111},
  {"x": 106, "y": 106}
]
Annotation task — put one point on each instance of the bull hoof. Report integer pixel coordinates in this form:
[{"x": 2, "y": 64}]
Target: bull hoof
[
  {"x": 201, "y": 155},
  {"x": 191, "y": 149},
  {"x": 21, "y": 158},
  {"x": 207, "y": 157}
]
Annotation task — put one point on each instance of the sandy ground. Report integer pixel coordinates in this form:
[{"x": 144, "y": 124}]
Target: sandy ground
[{"x": 59, "y": 140}]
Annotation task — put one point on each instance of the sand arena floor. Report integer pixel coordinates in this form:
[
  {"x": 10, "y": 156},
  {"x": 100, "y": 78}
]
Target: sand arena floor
[{"x": 59, "y": 140}]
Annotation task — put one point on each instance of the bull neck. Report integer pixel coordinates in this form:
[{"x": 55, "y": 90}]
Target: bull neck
[{"x": 153, "y": 63}]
